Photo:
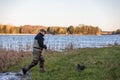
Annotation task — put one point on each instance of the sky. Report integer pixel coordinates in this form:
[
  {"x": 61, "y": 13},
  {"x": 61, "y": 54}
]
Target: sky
[{"x": 102, "y": 13}]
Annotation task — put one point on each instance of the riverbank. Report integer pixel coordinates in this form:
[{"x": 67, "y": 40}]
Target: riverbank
[{"x": 100, "y": 63}]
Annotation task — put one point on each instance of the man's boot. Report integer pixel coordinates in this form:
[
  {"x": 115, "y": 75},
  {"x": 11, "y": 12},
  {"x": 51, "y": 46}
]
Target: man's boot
[
  {"x": 33, "y": 63},
  {"x": 24, "y": 71},
  {"x": 41, "y": 64},
  {"x": 42, "y": 70}
]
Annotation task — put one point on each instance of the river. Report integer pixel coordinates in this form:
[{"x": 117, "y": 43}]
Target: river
[{"x": 58, "y": 42}]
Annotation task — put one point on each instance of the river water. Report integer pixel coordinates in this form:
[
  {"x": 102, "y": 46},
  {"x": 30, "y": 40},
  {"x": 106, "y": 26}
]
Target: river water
[{"x": 58, "y": 42}]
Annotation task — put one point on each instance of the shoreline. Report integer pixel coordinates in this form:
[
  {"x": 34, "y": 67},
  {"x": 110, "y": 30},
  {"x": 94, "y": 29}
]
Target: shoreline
[{"x": 58, "y": 34}]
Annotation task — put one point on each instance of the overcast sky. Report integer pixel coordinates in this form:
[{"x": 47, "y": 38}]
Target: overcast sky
[{"x": 102, "y": 13}]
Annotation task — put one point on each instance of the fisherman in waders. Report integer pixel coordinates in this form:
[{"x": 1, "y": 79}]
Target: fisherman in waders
[{"x": 38, "y": 46}]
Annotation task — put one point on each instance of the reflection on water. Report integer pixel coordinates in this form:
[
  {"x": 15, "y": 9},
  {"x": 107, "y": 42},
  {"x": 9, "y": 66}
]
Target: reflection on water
[{"x": 58, "y": 42}]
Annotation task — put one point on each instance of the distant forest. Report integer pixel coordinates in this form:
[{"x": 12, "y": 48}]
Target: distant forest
[{"x": 32, "y": 29}]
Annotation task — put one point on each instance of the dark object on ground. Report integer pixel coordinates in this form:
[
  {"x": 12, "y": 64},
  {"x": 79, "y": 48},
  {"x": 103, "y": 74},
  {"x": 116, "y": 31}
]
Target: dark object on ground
[{"x": 80, "y": 67}]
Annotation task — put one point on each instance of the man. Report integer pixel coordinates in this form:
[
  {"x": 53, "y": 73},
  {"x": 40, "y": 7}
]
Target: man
[{"x": 38, "y": 46}]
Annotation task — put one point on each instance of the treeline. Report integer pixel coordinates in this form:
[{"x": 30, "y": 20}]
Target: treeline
[
  {"x": 117, "y": 31},
  {"x": 30, "y": 29},
  {"x": 26, "y": 29},
  {"x": 9, "y": 29},
  {"x": 81, "y": 29}
]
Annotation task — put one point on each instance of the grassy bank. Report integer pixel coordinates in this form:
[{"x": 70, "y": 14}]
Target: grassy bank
[{"x": 101, "y": 64}]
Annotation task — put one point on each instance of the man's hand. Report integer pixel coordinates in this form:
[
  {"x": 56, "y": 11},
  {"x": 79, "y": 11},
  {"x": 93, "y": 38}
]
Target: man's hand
[{"x": 45, "y": 47}]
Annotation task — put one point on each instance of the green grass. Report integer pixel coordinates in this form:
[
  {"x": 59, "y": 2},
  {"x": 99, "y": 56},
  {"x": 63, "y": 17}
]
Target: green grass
[{"x": 101, "y": 64}]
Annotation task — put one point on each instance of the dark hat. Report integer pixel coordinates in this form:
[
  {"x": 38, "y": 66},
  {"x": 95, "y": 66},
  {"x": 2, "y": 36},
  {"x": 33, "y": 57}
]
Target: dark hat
[{"x": 42, "y": 30}]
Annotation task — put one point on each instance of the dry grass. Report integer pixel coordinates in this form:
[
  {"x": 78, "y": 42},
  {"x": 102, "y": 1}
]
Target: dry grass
[{"x": 10, "y": 57}]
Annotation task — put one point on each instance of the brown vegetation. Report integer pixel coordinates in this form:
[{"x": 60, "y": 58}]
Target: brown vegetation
[
  {"x": 10, "y": 57},
  {"x": 30, "y": 29}
]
